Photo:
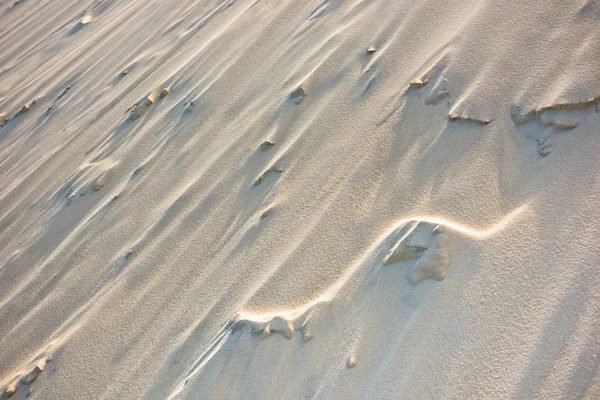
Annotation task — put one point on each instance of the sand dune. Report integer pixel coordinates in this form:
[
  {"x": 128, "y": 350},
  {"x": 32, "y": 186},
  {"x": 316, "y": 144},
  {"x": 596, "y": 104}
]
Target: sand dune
[{"x": 299, "y": 199}]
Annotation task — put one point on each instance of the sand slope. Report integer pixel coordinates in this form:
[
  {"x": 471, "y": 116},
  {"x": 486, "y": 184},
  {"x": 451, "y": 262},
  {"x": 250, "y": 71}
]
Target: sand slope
[{"x": 299, "y": 199}]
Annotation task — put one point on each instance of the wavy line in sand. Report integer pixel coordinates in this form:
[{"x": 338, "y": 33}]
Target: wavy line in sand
[{"x": 288, "y": 322}]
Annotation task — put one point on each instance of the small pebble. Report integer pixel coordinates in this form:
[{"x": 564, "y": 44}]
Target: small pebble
[
  {"x": 25, "y": 108},
  {"x": 298, "y": 94},
  {"x": 417, "y": 83},
  {"x": 545, "y": 152},
  {"x": 307, "y": 337},
  {"x": 164, "y": 93},
  {"x": 267, "y": 144},
  {"x": 352, "y": 362},
  {"x": 34, "y": 373},
  {"x": 11, "y": 389}
]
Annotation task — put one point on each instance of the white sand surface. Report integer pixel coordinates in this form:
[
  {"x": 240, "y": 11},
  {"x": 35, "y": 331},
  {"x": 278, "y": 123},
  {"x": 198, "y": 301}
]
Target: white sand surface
[{"x": 285, "y": 199}]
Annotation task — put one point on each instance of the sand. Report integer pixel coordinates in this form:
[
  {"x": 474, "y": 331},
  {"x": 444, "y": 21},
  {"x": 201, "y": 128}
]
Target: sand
[{"x": 299, "y": 199}]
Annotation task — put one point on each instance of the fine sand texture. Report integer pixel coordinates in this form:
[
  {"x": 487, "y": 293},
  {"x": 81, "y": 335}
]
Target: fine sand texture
[{"x": 299, "y": 199}]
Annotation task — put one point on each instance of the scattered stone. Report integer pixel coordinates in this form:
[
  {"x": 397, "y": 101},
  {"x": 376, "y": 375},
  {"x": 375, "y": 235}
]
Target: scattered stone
[
  {"x": 24, "y": 109},
  {"x": 541, "y": 141},
  {"x": 565, "y": 126},
  {"x": 298, "y": 95},
  {"x": 352, "y": 362},
  {"x": 464, "y": 118},
  {"x": 259, "y": 180},
  {"x": 417, "y": 83},
  {"x": 3, "y": 120},
  {"x": 267, "y": 144},
  {"x": 87, "y": 18},
  {"x": 99, "y": 185},
  {"x": 34, "y": 373},
  {"x": 164, "y": 92},
  {"x": 307, "y": 337},
  {"x": 139, "y": 109},
  {"x": 125, "y": 72},
  {"x": 11, "y": 389},
  {"x": 266, "y": 333},
  {"x": 29, "y": 390},
  {"x": 545, "y": 151},
  {"x": 371, "y": 50}
]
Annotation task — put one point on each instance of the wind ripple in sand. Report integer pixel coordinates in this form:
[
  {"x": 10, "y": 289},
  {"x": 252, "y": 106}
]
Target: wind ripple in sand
[
  {"x": 121, "y": 287},
  {"x": 421, "y": 243}
]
